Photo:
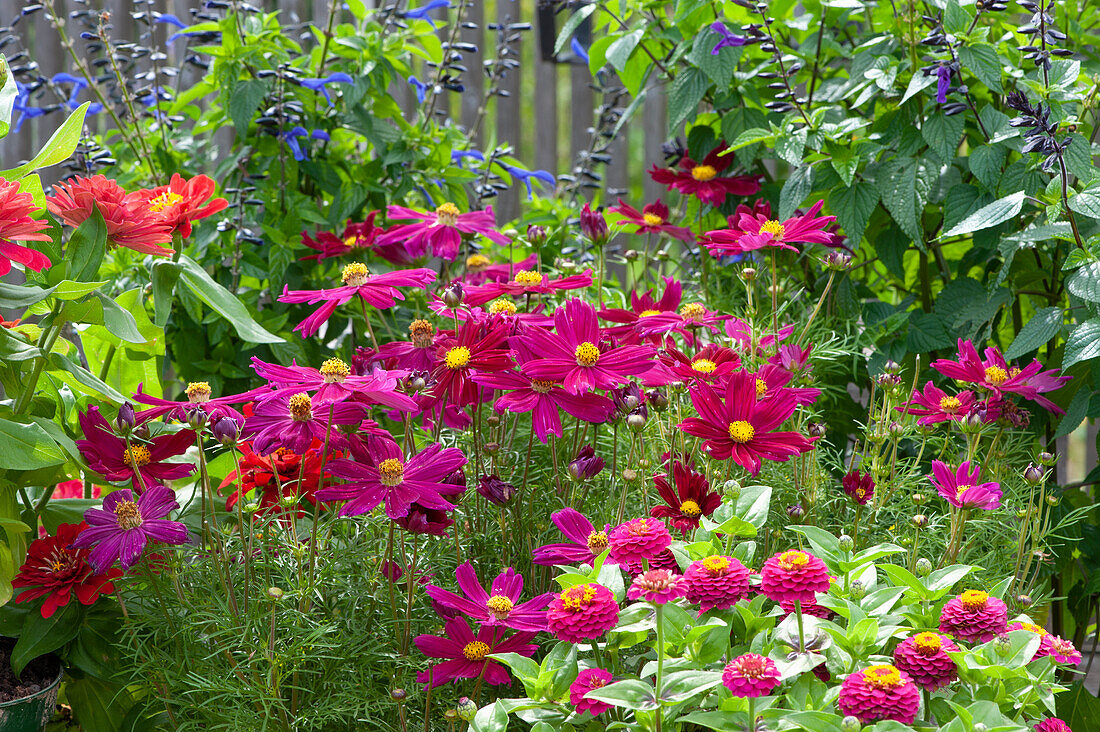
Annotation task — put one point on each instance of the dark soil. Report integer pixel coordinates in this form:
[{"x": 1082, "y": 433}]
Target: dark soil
[{"x": 38, "y": 674}]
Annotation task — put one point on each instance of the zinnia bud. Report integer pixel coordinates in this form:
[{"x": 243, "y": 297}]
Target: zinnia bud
[
  {"x": 466, "y": 708},
  {"x": 845, "y": 543},
  {"x": 850, "y": 724},
  {"x": 924, "y": 567},
  {"x": 857, "y": 590}
]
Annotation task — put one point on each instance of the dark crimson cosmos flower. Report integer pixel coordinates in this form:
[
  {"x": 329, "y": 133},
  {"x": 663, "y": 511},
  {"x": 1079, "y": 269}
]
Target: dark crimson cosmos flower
[
  {"x": 643, "y": 306},
  {"x": 751, "y": 675},
  {"x": 743, "y": 335},
  {"x": 858, "y": 486},
  {"x": 716, "y": 582},
  {"x": 334, "y": 383},
  {"x": 527, "y": 282},
  {"x": 689, "y": 318},
  {"x": 584, "y": 545},
  {"x": 142, "y": 462},
  {"x": 741, "y": 427},
  {"x": 56, "y": 571},
  {"x": 17, "y": 224},
  {"x": 687, "y": 499},
  {"x": 294, "y": 422},
  {"x": 638, "y": 539},
  {"x": 934, "y": 405},
  {"x": 792, "y": 576},
  {"x": 434, "y": 521},
  {"x": 126, "y": 524},
  {"x": 974, "y": 616},
  {"x": 711, "y": 364},
  {"x": 755, "y": 231},
  {"x": 356, "y": 237},
  {"x": 199, "y": 396},
  {"x": 393, "y": 478},
  {"x": 415, "y": 354},
  {"x": 657, "y": 586},
  {"x": 500, "y": 605},
  {"x": 879, "y": 692},
  {"x": 441, "y": 231},
  {"x": 480, "y": 269},
  {"x": 473, "y": 349},
  {"x": 703, "y": 181},
  {"x": 924, "y": 657},
  {"x": 180, "y": 202},
  {"x": 588, "y": 680},
  {"x": 276, "y": 476},
  {"x": 960, "y": 486},
  {"x": 652, "y": 219},
  {"x": 133, "y": 228},
  {"x": 994, "y": 374},
  {"x": 572, "y": 356},
  {"x": 467, "y": 655},
  {"x": 501, "y": 310},
  {"x": 379, "y": 291}
]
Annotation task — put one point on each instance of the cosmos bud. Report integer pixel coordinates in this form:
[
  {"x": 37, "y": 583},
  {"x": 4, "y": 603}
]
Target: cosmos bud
[
  {"x": 536, "y": 235},
  {"x": 453, "y": 295},
  {"x": 1047, "y": 459},
  {"x": 126, "y": 419},
  {"x": 919, "y": 520},
  {"x": 275, "y": 593},
  {"x": 398, "y": 695},
  {"x": 594, "y": 226}
]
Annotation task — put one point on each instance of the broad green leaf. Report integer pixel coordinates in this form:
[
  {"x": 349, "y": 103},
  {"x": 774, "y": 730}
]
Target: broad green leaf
[
  {"x": 981, "y": 59},
  {"x": 995, "y": 213},
  {"x": 942, "y": 133},
  {"x": 897, "y": 185},
  {"x": 223, "y": 302},
  {"x": 720, "y": 721},
  {"x": 119, "y": 320},
  {"x": 748, "y": 137},
  {"x": 799, "y": 184},
  {"x": 926, "y": 333},
  {"x": 1076, "y": 412},
  {"x": 86, "y": 247},
  {"x": 98, "y": 705},
  {"x": 81, "y": 377},
  {"x": 74, "y": 290},
  {"x": 164, "y": 277},
  {"x": 619, "y": 51},
  {"x": 629, "y": 694},
  {"x": 1086, "y": 203},
  {"x": 1083, "y": 343},
  {"x": 1036, "y": 332},
  {"x": 681, "y": 685},
  {"x": 985, "y": 163},
  {"x": 570, "y": 26},
  {"x": 27, "y": 447},
  {"x": 853, "y": 207},
  {"x": 524, "y": 668},
  {"x": 21, "y": 296},
  {"x": 686, "y": 92},
  {"x": 1085, "y": 282},
  {"x": 244, "y": 98},
  {"x": 57, "y": 149},
  {"x": 44, "y": 635}
]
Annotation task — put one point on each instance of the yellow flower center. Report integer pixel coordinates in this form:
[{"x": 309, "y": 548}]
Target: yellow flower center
[
  {"x": 597, "y": 542},
  {"x": 974, "y": 600},
  {"x": 793, "y": 559},
  {"x": 883, "y": 676},
  {"x": 959, "y": 490},
  {"x": 499, "y": 606},
  {"x": 587, "y": 354},
  {"x": 652, "y": 219},
  {"x": 996, "y": 375},
  {"x": 927, "y": 643},
  {"x": 690, "y": 508},
  {"x": 163, "y": 201},
  {"x": 639, "y": 527},
  {"x": 1033, "y": 628},
  {"x": 950, "y": 404},
  {"x": 128, "y": 515},
  {"x": 421, "y": 332},
  {"x": 648, "y": 313},
  {"x": 391, "y": 472},
  {"x": 335, "y": 371},
  {"x": 447, "y": 214},
  {"x": 761, "y": 388},
  {"x": 716, "y": 564},
  {"x": 503, "y": 307},
  {"x": 528, "y": 278},
  {"x": 542, "y": 386},
  {"x": 351, "y": 241},
  {"x": 476, "y": 650},
  {"x": 693, "y": 311},
  {"x": 578, "y": 596},
  {"x": 703, "y": 172},
  {"x": 773, "y": 227},
  {"x": 458, "y": 357},
  {"x": 741, "y": 431},
  {"x": 703, "y": 366},
  {"x": 300, "y": 407},
  {"x": 136, "y": 456},
  {"x": 477, "y": 262},
  {"x": 198, "y": 392},
  {"x": 355, "y": 274}
]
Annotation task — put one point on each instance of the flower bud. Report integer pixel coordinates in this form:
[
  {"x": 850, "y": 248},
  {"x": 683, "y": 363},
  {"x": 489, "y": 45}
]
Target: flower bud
[
  {"x": 1047, "y": 459},
  {"x": 897, "y": 429},
  {"x": 857, "y": 590},
  {"x": 918, "y": 498},
  {"x": 850, "y": 724},
  {"x": 816, "y": 429},
  {"x": 732, "y": 488},
  {"x": 594, "y": 226},
  {"x": 275, "y": 593},
  {"x": 924, "y": 567},
  {"x": 466, "y": 709},
  {"x": 1023, "y": 601},
  {"x": 495, "y": 490},
  {"x": 1052, "y": 500},
  {"x": 636, "y": 422},
  {"x": 398, "y": 695},
  {"x": 450, "y": 715},
  {"x": 838, "y": 261},
  {"x": 225, "y": 431},
  {"x": 126, "y": 419},
  {"x": 891, "y": 367},
  {"x": 453, "y": 295},
  {"x": 662, "y": 255},
  {"x": 631, "y": 255},
  {"x": 657, "y": 398},
  {"x": 630, "y": 475},
  {"x": 795, "y": 511},
  {"x": 536, "y": 235},
  {"x": 492, "y": 448},
  {"x": 196, "y": 418},
  {"x": 919, "y": 521},
  {"x": 288, "y": 501},
  {"x": 845, "y": 543},
  {"x": 251, "y": 507},
  {"x": 586, "y": 465},
  {"x": 748, "y": 274},
  {"x": 1002, "y": 645}
]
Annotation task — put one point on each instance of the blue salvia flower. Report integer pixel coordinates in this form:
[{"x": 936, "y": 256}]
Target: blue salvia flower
[
  {"x": 321, "y": 85},
  {"x": 175, "y": 23},
  {"x": 458, "y": 157},
  {"x": 21, "y": 105},
  {"x": 291, "y": 136},
  {"x": 424, "y": 13},
  {"x": 729, "y": 39},
  {"x": 578, "y": 50},
  {"x": 79, "y": 84},
  {"x": 528, "y": 176},
  {"x": 421, "y": 88}
]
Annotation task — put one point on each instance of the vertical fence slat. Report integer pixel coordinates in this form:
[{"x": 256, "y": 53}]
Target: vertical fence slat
[
  {"x": 655, "y": 125},
  {"x": 508, "y": 113},
  {"x": 581, "y": 113},
  {"x": 474, "y": 80},
  {"x": 546, "y": 115}
]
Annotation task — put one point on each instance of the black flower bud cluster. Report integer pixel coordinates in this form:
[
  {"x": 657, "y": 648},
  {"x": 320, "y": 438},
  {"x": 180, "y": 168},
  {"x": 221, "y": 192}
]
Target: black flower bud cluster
[{"x": 1040, "y": 132}]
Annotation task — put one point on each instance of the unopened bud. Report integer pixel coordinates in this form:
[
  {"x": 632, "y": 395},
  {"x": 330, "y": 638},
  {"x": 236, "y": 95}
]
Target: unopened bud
[
  {"x": 196, "y": 418},
  {"x": 795, "y": 511},
  {"x": 891, "y": 367},
  {"x": 1002, "y": 645},
  {"x": 225, "y": 431},
  {"x": 492, "y": 447},
  {"x": 838, "y": 261},
  {"x": 845, "y": 543},
  {"x": 453, "y": 295},
  {"x": 897, "y": 429},
  {"x": 850, "y": 724},
  {"x": 251, "y": 507},
  {"x": 536, "y": 235},
  {"x": 636, "y": 422},
  {"x": 857, "y": 590},
  {"x": 1052, "y": 500},
  {"x": 918, "y": 498},
  {"x": 748, "y": 274},
  {"x": 275, "y": 593},
  {"x": 631, "y": 255},
  {"x": 979, "y": 727},
  {"x": 662, "y": 255},
  {"x": 466, "y": 709},
  {"x": 630, "y": 475},
  {"x": 924, "y": 567},
  {"x": 816, "y": 429},
  {"x": 1047, "y": 459},
  {"x": 399, "y": 695},
  {"x": 450, "y": 715},
  {"x": 126, "y": 419},
  {"x": 732, "y": 488},
  {"x": 919, "y": 520},
  {"x": 1024, "y": 601},
  {"x": 657, "y": 398}
]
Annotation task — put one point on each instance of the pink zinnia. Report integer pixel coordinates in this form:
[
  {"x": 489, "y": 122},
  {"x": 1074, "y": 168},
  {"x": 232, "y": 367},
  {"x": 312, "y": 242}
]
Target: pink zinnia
[
  {"x": 16, "y": 224},
  {"x": 751, "y": 675},
  {"x": 1052, "y": 724},
  {"x": 974, "y": 616},
  {"x": 128, "y": 225},
  {"x": 638, "y": 539},
  {"x": 879, "y": 692},
  {"x": 582, "y": 612},
  {"x": 652, "y": 219},
  {"x": 466, "y": 655},
  {"x": 924, "y": 657},
  {"x": 960, "y": 486},
  {"x": 933, "y": 405},
  {"x": 754, "y": 231},
  {"x": 716, "y": 583},
  {"x": 703, "y": 181},
  {"x": 994, "y": 374},
  {"x": 1060, "y": 649},
  {"x": 657, "y": 586},
  {"x": 584, "y": 545},
  {"x": 794, "y": 575},
  {"x": 589, "y": 680},
  {"x": 440, "y": 231},
  {"x": 500, "y": 605}
]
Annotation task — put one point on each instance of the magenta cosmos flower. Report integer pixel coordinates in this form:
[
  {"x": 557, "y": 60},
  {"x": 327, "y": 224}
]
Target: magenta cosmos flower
[
  {"x": 934, "y": 405},
  {"x": 142, "y": 462},
  {"x": 499, "y": 606},
  {"x": 994, "y": 374},
  {"x": 744, "y": 337},
  {"x": 974, "y": 616},
  {"x": 356, "y": 237},
  {"x": 416, "y": 354},
  {"x": 474, "y": 349},
  {"x": 440, "y": 231},
  {"x": 754, "y": 231},
  {"x": 924, "y": 657},
  {"x": 657, "y": 586},
  {"x": 125, "y": 525},
  {"x": 527, "y": 282},
  {"x": 703, "y": 181},
  {"x": 17, "y": 224},
  {"x": 686, "y": 321},
  {"x": 638, "y": 539},
  {"x": 467, "y": 654},
  {"x": 480, "y": 269},
  {"x": 711, "y": 364},
  {"x": 687, "y": 499},
  {"x": 794, "y": 575},
  {"x": 292, "y": 421},
  {"x": 334, "y": 383},
  {"x": 1052, "y": 724},
  {"x": 879, "y": 692},
  {"x": 741, "y": 427},
  {"x": 652, "y": 219},
  {"x": 642, "y": 306},
  {"x": 199, "y": 396},
  {"x": 572, "y": 356},
  {"x": 392, "y": 478},
  {"x": 858, "y": 486},
  {"x": 589, "y": 680},
  {"x": 960, "y": 486},
  {"x": 584, "y": 545},
  {"x": 716, "y": 583},
  {"x": 751, "y": 675},
  {"x": 379, "y": 291},
  {"x": 582, "y": 612}
]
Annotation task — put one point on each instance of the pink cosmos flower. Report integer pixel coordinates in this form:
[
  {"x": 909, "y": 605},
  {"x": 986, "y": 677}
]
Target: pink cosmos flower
[
  {"x": 334, "y": 383},
  {"x": 772, "y": 380},
  {"x": 500, "y": 606},
  {"x": 703, "y": 181},
  {"x": 584, "y": 545},
  {"x": 657, "y": 586},
  {"x": 588, "y": 680},
  {"x": 142, "y": 462},
  {"x": 751, "y": 675},
  {"x": 379, "y": 291},
  {"x": 480, "y": 269},
  {"x": 741, "y": 427},
  {"x": 467, "y": 655},
  {"x": 475, "y": 348},
  {"x": 754, "y": 231},
  {"x": 652, "y": 219},
  {"x": 440, "y": 231},
  {"x": 934, "y": 405},
  {"x": 711, "y": 364},
  {"x": 416, "y": 354},
  {"x": 572, "y": 356},
  {"x": 960, "y": 487},
  {"x": 527, "y": 282},
  {"x": 393, "y": 478},
  {"x": 743, "y": 335},
  {"x": 858, "y": 486},
  {"x": 994, "y": 374},
  {"x": 17, "y": 224},
  {"x": 125, "y": 525},
  {"x": 356, "y": 237},
  {"x": 690, "y": 318},
  {"x": 642, "y": 306},
  {"x": 293, "y": 421}
]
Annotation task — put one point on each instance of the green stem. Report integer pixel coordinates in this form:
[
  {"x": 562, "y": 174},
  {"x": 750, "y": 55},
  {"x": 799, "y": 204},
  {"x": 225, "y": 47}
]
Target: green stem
[
  {"x": 801, "y": 632},
  {"x": 660, "y": 662}
]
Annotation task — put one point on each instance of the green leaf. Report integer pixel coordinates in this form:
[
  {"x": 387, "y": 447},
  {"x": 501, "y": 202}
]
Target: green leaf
[
  {"x": 956, "y": 19},
  {"x": 687, "y": 91},
  {"x": 223, "y": 302},
  {"x": 44, "y": 635},
  {"x": 853, "y": 207},
  {"x": 981, "y": 60},
  {"x": 628, "y": 694},
  {"x": 20, "y": 296},
  {"x": 86, "y": 247},
  {"x": 27, "y": 446},
  {"x": 85, "y": 378},
  {"x": 74, "y": 290},
  {"x": 926, "y": 333},
  {"x": 1085, "y": 282},
  {"x": 525, "y": 669},
  {"x": 571, "y": 25},
  {"x": 618, "y": 53},
  {"x": 985, "y": 163},
  {"x": 8, "y": 94},
  {"x": 1086, "y": 203},
  {"x": 681, "y": 685},
  {"x": 97, "y": 704},
  {"x": 995, "y": 213},
  {"x": 1083, "y": 343},
  {"x": 917, "y": 84},
  {"x": 164, "y": 277},
  {"x": 119, "y": 321},
  {"x": 244, "y": 98},
  {"x": 720, "y": 721},
  {"x": 1075, "y": 413},
  {"x": 942, "y": 133},
  {"x": 1036, "y": 332},
  {"x": 748, "y": 137},
  {"x": 57, "y": 149},
  {"x": 897, "y": 184},
  {"x": 799, "y": 184}
]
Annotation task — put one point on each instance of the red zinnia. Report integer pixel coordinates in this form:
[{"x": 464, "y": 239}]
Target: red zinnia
[
  {"x": 16, "y": 224},
  {"x": 716, "y": 583},
  {"x": 751, "y": 675},
  {"x": 638, "y": 539},
  {"x": 879, "y": 692},
  {"x": 127, "y": 225},
  {"x": 275, "y": 476},
  {"x": 582, "y": 612},
  {"x": 924, "y": 657},
  {"x": 56, "y": 571},
  {"x": 690, "y": 500},
  {"x": 974, "y": 616},
  {"x": 702, "y": 180},
  {"x": 753, "y": 231},
  {"x": 652, "y": 219},
  {"x": 180, "y": 202},
  {"x": 794, "y": 575}
]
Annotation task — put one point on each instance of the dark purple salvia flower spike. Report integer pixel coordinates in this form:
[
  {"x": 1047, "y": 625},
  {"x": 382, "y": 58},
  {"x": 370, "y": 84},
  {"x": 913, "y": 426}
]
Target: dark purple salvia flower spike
[
  {"x": 728, "y": 40},
  {"x": 943, "y": 83}
]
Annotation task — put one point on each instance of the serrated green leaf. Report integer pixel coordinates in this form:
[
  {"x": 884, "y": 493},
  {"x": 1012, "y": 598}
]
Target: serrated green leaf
[
  {"x": 942, "y": 133},
  {"x": 982, "y": 61},
  {"x": 1083, "y": 343},
  {"x": 618, "y": 53},
  {"x": 853, "y": 207},
  {"x": 1036, "y": 332},
  {"x": 926, "y": 333},
  {"x": 897, "y": 185},
  {"x": 1075, "y": 413},
  {"x": 244, "y": 98},
  {"x": 687, "y": 91},
  {"x": 1086, "y": 203},
  {"x": 799, "y": 184},
  {"x": 1085, "y": 282},
  {"x": 995, "y": 213},
  {"x": 985, "y": 163}
]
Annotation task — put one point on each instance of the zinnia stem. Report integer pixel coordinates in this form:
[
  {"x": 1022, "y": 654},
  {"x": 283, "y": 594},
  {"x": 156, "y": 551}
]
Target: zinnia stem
[
  {"x": 752, "y": 714},
  {"x": 801, "y": 632},
  {"x": 660, "y": 661}
]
